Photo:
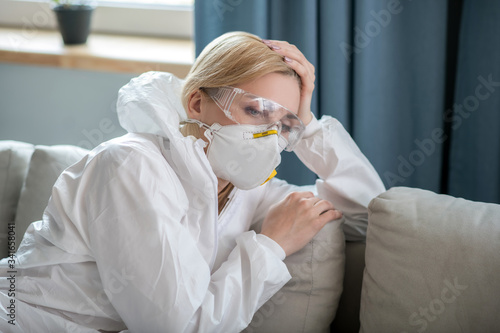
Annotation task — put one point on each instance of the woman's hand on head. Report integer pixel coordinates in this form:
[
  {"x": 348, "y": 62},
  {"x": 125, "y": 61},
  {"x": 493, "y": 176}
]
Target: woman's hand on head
[
  {"x": 296, "y": 219},
  {"x": 298, "y": 62}
]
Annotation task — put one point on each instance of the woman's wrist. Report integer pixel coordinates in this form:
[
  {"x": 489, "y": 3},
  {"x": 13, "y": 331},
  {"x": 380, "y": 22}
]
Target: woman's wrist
[
  {"x": 311, "y": 127},
  {"x": 306, "y": 119}
]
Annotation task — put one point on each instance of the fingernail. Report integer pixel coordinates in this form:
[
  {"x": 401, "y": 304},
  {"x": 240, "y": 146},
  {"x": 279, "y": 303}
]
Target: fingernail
[
  {"x": 275, "y": 47},
  {"x": 265, "y": 41},
  {"x": 287, "y": 59}
]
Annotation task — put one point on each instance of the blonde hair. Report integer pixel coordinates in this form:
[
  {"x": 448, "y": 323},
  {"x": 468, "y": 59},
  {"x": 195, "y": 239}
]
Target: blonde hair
[{"x": 233, "y": 58}]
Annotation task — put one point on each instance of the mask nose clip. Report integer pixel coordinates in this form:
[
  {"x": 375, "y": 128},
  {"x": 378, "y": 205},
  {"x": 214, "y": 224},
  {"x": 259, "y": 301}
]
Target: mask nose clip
[
  {"x": 276, "y": 126},
  {"x": 270, "y": 130}
]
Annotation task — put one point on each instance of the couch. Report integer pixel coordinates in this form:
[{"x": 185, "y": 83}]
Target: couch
[{"x": 431, "y": 263}]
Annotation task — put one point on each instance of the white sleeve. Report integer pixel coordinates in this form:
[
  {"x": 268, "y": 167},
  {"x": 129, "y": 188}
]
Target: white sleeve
[
  {"x": 150, "y": 266},
  {"x": 346, "y": 177}
]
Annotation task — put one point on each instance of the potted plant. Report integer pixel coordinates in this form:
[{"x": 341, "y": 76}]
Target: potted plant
[{"x": 73, "y": 19}]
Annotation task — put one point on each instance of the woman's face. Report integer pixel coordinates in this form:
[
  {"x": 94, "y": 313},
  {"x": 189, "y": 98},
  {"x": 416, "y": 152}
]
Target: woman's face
[{"x": 282, "y": 89}]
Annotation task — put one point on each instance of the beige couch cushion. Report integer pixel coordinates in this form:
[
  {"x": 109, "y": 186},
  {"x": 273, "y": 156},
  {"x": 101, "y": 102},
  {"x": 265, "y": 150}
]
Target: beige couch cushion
[
  {"x": 14, "y": 161},
  {"x": 432, "y": 264},
  {"x": 47, "y": 163},
  {"x": 308, "y": 302}
]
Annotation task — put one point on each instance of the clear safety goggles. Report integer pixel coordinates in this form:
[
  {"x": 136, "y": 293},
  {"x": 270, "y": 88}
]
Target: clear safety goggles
[{"x": 243, "y": 107}]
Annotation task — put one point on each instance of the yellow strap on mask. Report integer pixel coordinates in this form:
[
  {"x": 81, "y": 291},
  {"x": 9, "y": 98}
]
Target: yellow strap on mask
[
  {"x": 263, "y": 134},
  {"x": 270, "y": 177}
]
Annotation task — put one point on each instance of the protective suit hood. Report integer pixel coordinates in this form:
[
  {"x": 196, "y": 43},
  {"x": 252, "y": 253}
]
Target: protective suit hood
[{"x": 151, "y": 103}]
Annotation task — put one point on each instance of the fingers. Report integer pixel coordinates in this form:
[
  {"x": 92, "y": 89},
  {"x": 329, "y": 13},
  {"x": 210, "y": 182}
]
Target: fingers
[
  {"x": 299, "y": 63},
  {"x": 285, "y": 48},
  {"x": 294, "y": 58},
  {"x": 323, "y": 205},
  {"x": 329, "y": 215},
  {"x": 327, "y": 211},
  {"x": 292, "y": 55},
  {"x": 317, "y": 207},
  {"x": 305, "y": 74},
  {"x": 296, "y": 219}
]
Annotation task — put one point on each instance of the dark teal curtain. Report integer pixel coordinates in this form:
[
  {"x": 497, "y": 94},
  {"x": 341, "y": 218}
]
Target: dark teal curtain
[
  {"x": 416, "y": 83},
  {"x": 474, "y": 160}
]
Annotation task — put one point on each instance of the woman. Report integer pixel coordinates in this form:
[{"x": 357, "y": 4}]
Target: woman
[{"x": 150, "y": 231}]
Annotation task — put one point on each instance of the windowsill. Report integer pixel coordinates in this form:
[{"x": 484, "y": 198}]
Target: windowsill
[{"x": 109, "y": 53}]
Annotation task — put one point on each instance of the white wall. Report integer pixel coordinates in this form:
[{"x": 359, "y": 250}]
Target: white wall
[{"x": 45, "y": 105}]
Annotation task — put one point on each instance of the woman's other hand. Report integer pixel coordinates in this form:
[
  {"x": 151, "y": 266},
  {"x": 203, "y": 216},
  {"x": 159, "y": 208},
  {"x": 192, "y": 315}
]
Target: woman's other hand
[
  {"x": 296, "y": 219},
  {"x": 298, "y": 62}
]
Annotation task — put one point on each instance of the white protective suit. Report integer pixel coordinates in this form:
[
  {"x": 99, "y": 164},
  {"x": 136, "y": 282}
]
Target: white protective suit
[{"x": 131, "y": 237}]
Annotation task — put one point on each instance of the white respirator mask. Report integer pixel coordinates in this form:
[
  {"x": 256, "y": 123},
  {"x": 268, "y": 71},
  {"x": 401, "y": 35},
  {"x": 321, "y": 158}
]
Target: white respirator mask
[{"x": 247, "y": 153}]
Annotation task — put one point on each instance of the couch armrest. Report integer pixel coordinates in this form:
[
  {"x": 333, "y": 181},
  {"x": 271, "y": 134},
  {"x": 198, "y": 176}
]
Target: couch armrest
[{"x": 347, "y": 317}]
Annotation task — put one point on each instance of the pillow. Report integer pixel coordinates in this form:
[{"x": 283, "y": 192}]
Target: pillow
[
  {"x": 14, "y": 160},
  {"x": 432, "y": 264},
  {"x": 47, "y": 163},
  {"x": 308, "y": 302}
]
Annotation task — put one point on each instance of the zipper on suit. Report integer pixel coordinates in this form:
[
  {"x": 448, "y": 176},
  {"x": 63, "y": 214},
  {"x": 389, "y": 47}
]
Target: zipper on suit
[{"x": 228, "y": 203}]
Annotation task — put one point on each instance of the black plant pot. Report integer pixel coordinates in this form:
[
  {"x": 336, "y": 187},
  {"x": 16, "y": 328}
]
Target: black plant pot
[{"x": 74, "y": 22}]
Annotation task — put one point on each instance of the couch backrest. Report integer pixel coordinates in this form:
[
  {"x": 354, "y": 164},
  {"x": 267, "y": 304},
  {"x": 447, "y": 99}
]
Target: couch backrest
[
  {"x": 29, "y": 172},
  {"x": 14, "y": 162}
]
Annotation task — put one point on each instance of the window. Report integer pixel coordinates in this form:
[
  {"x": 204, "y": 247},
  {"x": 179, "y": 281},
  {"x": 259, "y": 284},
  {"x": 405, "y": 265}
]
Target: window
[
  {"x": 164, "y": 18},
  {"x": 155, "y": 2}
]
